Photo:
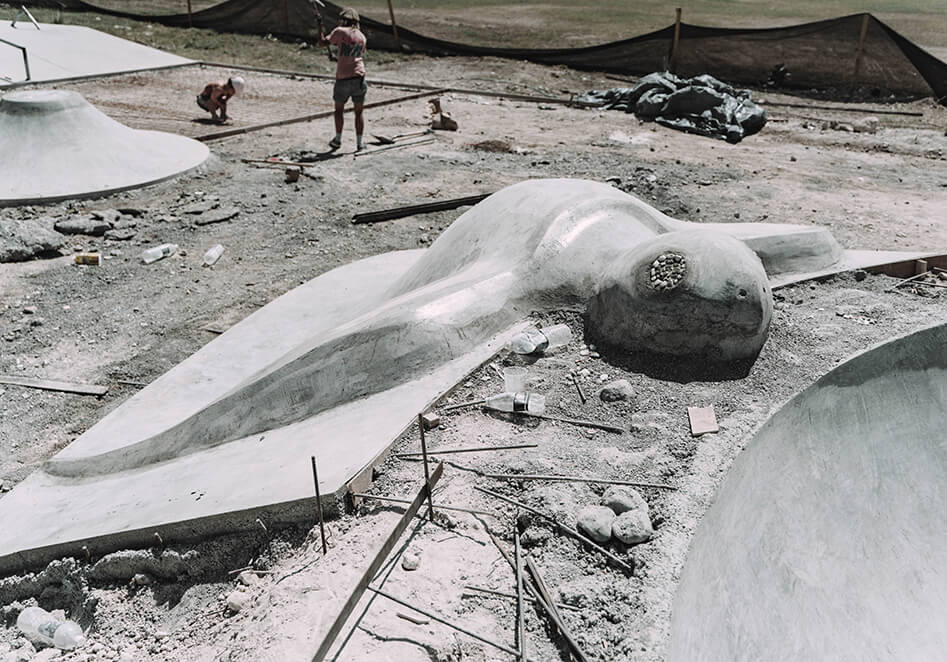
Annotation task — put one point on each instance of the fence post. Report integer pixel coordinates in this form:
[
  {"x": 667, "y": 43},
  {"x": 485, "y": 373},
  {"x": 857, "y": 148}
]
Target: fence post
[
  {"x": 394, "y": 26},
  {"x": 190, "y": 21},
  {"x": 861, "y": 49},
  {"x": 677, "y": 36}
]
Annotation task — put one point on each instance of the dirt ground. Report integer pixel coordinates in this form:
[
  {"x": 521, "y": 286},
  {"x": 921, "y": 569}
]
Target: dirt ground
[{"x": 876, "y": 183}]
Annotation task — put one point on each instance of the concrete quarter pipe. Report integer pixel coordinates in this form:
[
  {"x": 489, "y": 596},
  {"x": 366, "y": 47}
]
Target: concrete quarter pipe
[{"x": 828, "y": 539}]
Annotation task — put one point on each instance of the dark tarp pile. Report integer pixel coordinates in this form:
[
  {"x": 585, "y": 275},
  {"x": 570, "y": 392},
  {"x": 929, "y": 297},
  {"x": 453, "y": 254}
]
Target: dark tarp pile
[{"x": 701, "y": 105}]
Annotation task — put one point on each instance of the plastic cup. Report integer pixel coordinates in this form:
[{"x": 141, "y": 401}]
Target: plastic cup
[{"x": 514, "y": 379}]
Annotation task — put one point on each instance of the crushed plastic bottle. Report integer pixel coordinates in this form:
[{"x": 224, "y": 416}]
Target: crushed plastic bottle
[
  {"x": 156, "y": 253},
  {"x": 213, "y": 254},
  {"x": 37, "y": 625},
  {"x": 42, "y": 627},
  {"x": 68, "y": 635},
  {"x": 530, "y": 403},
  {"x": 533, "y": 341}
]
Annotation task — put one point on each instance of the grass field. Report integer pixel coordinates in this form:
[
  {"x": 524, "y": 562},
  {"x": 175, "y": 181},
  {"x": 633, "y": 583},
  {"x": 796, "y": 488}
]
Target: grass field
[
  {"x": 527, "y": 24},
  {"x": 534, "y": 23}
]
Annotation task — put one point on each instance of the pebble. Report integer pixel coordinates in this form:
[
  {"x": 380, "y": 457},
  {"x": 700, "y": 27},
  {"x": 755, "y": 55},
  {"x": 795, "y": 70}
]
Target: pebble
[
  {"x": 618, "y": 390},
  {"x": 237, "y": 600},
  {"x": 29, "y": 310},
  {"x": 621, "y": 499},
  {"x": 596, "y": 522},
  {"x": 585, "y": 372},
  {"x": 411, "y": 560},
  {"x": 632, "y": 527},
  {"x": 583, "y": 352},
  {"x": 141, "y": 579},
  {"x": 248, "y": 578}
]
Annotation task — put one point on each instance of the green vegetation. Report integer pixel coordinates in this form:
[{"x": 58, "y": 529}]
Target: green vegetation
[{"x": 527, "y": 24}]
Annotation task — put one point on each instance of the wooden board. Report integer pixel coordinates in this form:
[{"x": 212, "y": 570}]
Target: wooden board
[
  {"x": 47, "y": 385},
  {"x": 703, "y": 420}
]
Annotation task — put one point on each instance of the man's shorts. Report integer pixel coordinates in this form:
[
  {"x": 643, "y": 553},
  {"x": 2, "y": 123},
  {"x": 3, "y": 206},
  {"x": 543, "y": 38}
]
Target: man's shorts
[
  {"x": 355, "y": 87},
  {"x": 202, "y": 102}
]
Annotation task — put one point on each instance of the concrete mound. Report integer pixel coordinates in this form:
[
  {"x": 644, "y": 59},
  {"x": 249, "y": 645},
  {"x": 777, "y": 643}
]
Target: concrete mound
[
  {"x": 826, "y": 541},
  {"x": 339, "y": 367},
  {"x": 54, "y": 145}
]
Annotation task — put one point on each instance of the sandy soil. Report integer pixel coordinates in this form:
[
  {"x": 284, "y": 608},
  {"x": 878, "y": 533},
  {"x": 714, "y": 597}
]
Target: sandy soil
[{"x": 127, "y": 322}]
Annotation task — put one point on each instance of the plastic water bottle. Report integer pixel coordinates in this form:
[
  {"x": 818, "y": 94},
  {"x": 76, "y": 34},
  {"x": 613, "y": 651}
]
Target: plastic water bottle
[
  {"x": 530, "y": 403},
  {"x": 37, "y": 625},
  {"x": 213, "y": 254},
  {"x": 536, "y": 340},
  {"x": 158, "y": 253},
  {"x": 68, "y": 635}
]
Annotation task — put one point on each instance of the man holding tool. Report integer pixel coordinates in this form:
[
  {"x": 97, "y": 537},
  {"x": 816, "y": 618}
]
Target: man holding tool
[{"x": 349, "y": 73}]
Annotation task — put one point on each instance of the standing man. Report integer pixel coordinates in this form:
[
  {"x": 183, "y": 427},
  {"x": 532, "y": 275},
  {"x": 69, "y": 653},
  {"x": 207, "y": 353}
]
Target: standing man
[{"x": 349, "y": 73}]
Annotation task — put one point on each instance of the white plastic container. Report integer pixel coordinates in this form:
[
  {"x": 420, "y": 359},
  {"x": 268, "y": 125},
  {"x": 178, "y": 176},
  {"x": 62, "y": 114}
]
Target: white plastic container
[
  {"x": 68, "y": 636},
  {"x": 533, "y": 341},
  {"x": 529, "y": 403},
  {"x": 158, "y": 253},
  {"x": 213, "y": 254}
]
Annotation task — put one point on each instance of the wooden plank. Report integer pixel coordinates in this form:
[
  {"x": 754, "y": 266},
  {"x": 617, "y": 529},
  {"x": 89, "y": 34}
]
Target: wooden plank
[
  {"x": 49, "y": 385},
  {"x": 376, "y": 565},
  {"x": 410, "y": 210},
  {"x": 703, "y": 420}
]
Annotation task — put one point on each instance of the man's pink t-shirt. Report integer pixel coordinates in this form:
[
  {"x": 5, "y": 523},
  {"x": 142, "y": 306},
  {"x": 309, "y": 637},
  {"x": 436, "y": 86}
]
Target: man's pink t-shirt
[{"x": 351, "y": 43}]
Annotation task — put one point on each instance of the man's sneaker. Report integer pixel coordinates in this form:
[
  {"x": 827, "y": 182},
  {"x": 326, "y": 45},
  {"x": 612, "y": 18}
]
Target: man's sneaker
[
  {"x": 360, "y": 147},
  {"x": 335, "y": 143}
]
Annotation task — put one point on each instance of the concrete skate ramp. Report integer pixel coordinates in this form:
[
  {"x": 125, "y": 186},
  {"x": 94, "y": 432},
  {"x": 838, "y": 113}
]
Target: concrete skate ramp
[
  {"x": 828, "y": 539},
  {"x": 57, "y": 52},
  {"x": 339, "y": 366},
  {"x": 54, "y": 145}
]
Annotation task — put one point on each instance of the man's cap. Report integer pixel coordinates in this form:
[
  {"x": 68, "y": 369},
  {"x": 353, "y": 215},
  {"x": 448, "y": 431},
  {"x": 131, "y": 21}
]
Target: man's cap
[
  {"x": 349, "y": 14},
  {"x": 238, "y": 84}
]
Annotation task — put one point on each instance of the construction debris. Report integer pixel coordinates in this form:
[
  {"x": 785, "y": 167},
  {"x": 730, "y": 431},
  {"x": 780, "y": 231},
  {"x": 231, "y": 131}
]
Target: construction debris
[{"x": 703, "y": 420}]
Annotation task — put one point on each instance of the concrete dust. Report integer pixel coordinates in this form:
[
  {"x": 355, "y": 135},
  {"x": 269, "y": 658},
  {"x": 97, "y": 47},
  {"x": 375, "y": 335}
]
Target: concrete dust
[{"x": 124, "y": 321}]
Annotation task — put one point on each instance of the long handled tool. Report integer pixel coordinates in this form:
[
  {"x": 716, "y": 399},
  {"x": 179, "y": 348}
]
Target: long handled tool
[{"x": 385, "y": 140}]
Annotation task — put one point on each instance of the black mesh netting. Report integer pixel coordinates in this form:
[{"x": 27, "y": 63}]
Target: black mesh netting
[{"x": 819, "y": 55}]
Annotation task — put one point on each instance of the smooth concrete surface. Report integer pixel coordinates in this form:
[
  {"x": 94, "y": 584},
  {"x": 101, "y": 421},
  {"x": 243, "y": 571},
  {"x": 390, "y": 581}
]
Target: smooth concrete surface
[
  {"x": 54, "y": 145},
  {"x": 336, "y": 368},
  {"x": 828, "y": 538},
  {"x": 57, "y": 52}
]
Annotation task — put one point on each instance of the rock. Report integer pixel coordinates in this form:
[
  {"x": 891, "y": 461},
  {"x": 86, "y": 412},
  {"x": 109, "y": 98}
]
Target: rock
[
  {"x": 110, "y": 216},
  {"x": 596, "y": 522},
  {"x": 26, "y": 239},
  {"x": 120, "y": 234},
  {"x": 141, "y": 579},
  {"x": 248, "y": 578},
  {"x": 47, "y": 654},
  {"x": 200, "y": 207},
  {"x": 618, "y": 390},
  {"x": 633, "y": 527},
  {"x": 865, "y": 125},
  {"x": 29, "y": 310},
  {"x": 411, "y": 560},
  {"x": 621, "y": 499},
  {"x": 218, "y": 216},
  {"x": 237, "y": 600},
  {"x": 123, "y": 565},
  {"x": 83, "y": 225},
  {"x": 131, "y": 211}
]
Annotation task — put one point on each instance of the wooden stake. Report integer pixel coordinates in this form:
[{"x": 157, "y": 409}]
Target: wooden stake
[
  {"x": 469, "y": 450},
  {"x": 545, "y": 600},
  {"x": 374, "y": 566},
  {"x": 363, "y": 495},
  {"x": 576, "y": 479},
  {"x": 520, "y": 616},
  {"x": 562, "y": 527},
  {"x": 190, "y": 21},
  {"x": 677, "y": 35},
  {"x": 394, "y": 26},
  {"x": 859, "y": 53},
  {"x": 578, "y": 387},
  {"x": 427, "y": 478},
  {"x": 322, "y": 528}
]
